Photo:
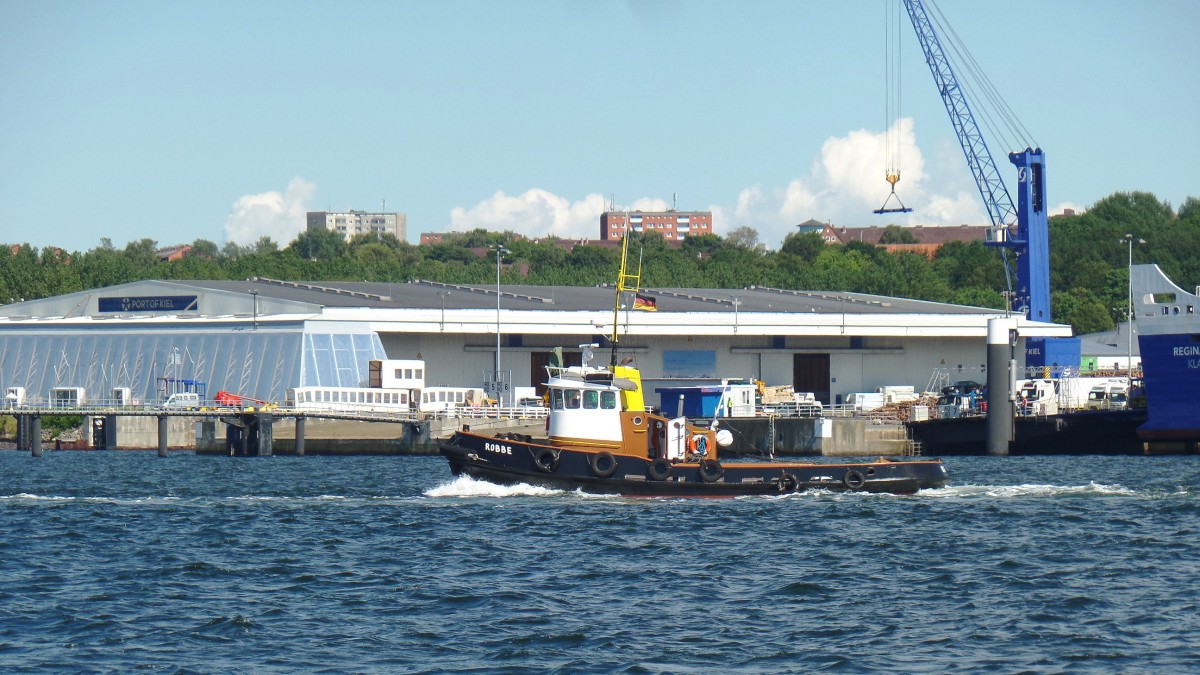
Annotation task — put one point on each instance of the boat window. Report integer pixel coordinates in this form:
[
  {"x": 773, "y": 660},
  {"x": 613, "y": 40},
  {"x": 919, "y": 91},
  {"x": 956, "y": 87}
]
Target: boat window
[
  {"x": 591, "y": 399},
  {"x": 572, "y": 398},
  {"x": 608, "y": 400},
  {"x": 556, "y": 399}
]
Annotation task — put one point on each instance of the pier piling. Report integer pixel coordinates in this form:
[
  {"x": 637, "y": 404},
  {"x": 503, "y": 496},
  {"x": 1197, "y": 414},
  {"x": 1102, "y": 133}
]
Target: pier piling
[
  {"x": 1001, "y": 339},
  {"x": 162, "y": 435},
  {"x": 300, "y": 436},
  {"x": 34, "y": 434}
]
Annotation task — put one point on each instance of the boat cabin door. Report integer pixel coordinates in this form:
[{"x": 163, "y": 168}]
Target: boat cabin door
[{"x": 677, "y": 438}]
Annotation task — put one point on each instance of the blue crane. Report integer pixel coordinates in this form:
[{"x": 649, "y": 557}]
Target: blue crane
[{"x": 1029, "y": 236}]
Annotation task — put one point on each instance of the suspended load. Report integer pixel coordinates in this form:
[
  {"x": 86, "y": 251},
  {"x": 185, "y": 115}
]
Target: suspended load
[{"x": 893, "y": 177}]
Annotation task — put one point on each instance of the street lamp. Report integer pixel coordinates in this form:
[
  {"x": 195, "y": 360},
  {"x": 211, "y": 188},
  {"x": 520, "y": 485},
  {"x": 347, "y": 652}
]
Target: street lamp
[
  {"x": 443, "y": 323},
  {"x": 1131, "y": 240},
  {"x": 500, "y": 250},
  {"x": 255, "y": 320}
]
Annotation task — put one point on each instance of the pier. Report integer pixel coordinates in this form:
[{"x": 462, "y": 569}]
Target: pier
[{"x": 252, "y": 431}]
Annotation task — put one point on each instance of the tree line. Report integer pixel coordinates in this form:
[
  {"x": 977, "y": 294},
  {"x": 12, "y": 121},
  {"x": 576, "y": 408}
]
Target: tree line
[{"x": 1088, "y": 258}]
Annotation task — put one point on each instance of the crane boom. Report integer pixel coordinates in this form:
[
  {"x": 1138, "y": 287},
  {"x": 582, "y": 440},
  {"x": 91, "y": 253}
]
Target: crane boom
[{"x": 1030, "y": 241}]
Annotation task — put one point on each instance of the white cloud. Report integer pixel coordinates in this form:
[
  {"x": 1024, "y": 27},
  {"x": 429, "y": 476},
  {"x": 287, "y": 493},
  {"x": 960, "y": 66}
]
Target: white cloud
[
  {"x": 844, "y": 185},
  {"x": 280, "y": 216},
  {"x": 534, "y": 213}
]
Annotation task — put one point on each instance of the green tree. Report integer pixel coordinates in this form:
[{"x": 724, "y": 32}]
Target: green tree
[
  {"x": 1082, "y": 309},
  {"x": 143, "y": 253},
  {"x": 806, "y": 246},
  {"x": 744, "y": 237},
  {"x": 319, "y": 244},
  {"x": 204, "y": 248}
]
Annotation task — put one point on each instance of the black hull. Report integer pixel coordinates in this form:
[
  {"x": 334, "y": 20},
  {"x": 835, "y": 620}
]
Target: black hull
[
  {"x": 509, "y": 461},
  {"x": 1088, "y": 432}
]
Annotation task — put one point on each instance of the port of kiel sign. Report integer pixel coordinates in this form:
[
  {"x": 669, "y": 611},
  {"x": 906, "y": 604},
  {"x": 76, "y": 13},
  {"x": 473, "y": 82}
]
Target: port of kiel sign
[{"x": 150, "y": 303}]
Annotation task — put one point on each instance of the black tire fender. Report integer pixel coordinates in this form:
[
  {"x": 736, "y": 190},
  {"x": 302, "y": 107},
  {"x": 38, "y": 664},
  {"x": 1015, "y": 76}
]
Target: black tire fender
[
  {"x": 711, "y": 470},
  {"x": 602, "y": 464},
  {"x": 659, "y": 469},
  {"x": 546, "y": 459},
  {"x": 788, "y": 483},
  {"x": 853, "y": 479}
]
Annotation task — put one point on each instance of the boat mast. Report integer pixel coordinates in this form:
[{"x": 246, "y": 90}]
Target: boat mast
[{"x": 623, "y": 285}]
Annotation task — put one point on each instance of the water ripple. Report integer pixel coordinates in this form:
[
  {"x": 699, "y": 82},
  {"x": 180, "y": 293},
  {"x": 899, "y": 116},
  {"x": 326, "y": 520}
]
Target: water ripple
[{"x": 125, "y": 561}]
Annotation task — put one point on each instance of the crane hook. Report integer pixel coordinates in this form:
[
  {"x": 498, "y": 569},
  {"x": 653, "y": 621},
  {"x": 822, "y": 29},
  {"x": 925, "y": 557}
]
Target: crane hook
[{"x": 892, "y": 178}]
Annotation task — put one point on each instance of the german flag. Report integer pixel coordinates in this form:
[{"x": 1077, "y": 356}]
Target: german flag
[{"x": 645, "y": 302}]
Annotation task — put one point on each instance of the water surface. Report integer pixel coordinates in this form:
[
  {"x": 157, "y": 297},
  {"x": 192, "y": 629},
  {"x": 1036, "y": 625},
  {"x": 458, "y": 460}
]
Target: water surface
[{"x": 123, "y": 561}]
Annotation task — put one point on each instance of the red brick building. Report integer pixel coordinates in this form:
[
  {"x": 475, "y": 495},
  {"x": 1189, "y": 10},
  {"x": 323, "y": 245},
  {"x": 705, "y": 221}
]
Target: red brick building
[{"x": 672, "y": 225}]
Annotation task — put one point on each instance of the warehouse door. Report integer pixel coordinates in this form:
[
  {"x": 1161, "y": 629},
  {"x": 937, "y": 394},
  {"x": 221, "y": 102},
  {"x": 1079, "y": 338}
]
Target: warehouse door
[{"x": 810, "y": 372}]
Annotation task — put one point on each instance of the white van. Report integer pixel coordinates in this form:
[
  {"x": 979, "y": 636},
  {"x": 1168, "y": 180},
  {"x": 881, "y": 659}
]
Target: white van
[{"x": 183, "y": 399}]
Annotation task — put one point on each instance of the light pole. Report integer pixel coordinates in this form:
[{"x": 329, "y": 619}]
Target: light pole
[
  {"x": 442, "y": 325},
  {"x": 255, "y": 320},
  {"x": 1130, "y": 239},
  {"x": 500, "y": 250}
]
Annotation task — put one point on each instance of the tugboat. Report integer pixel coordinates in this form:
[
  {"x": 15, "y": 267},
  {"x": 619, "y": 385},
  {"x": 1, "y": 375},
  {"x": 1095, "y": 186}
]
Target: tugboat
[{"x": 601, "y": 438}]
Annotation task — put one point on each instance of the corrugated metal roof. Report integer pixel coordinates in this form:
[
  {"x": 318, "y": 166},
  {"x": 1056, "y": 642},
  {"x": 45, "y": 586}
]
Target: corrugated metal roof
[{"x": 430, "y": 295}]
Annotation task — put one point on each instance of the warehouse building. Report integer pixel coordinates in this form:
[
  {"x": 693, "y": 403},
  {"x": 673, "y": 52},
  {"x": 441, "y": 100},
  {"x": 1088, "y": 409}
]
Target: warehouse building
[{"x": 260, "y": 337}]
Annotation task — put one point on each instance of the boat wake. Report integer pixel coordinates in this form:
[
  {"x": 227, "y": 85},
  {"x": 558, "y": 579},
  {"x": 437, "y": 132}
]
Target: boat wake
[
  {"x": 465, "y": 486},
  {"x": 1092, "y": 489}
]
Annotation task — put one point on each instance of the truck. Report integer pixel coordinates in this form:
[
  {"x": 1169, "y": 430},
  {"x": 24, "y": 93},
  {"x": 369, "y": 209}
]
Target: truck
[
  {"x": 957, "y": 403},
  {"x": 1050, "y": 396},
  {"x": 1108, "y": 396}
]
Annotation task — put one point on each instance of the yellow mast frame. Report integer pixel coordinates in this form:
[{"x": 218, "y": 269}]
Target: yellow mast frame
[{"x": 625, "y": 282}]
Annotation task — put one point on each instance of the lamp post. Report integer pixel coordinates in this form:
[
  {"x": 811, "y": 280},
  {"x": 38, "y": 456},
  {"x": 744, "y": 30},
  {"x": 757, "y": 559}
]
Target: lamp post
[
  {"x": 255, "y": 319},
  {"x": 1130, "y": 240},
  {"x": 500, "y": 250},
  {"x": 442, "y": 325}
]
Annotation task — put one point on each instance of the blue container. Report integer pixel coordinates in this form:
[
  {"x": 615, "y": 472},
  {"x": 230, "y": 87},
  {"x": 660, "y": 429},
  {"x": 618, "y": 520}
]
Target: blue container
[
  {"x": 697, "y": 401},
  {"x": 1054, "y": 352}
]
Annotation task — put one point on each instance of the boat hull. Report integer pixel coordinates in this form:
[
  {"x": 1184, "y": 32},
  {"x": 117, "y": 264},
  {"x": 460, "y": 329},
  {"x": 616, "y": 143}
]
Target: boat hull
[
  {"x": 1168, "y": 327},
  {"x": 508, "y": 461},
  {"x": 1170, "y": 363},
  {"x": 1085, "y": 432}
]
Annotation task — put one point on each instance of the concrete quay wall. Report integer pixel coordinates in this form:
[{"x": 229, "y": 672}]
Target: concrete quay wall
[{"x": 817, "y": 437}]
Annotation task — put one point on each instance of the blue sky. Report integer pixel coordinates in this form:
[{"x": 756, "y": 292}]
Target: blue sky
[{"x": 228, "y": 120}]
